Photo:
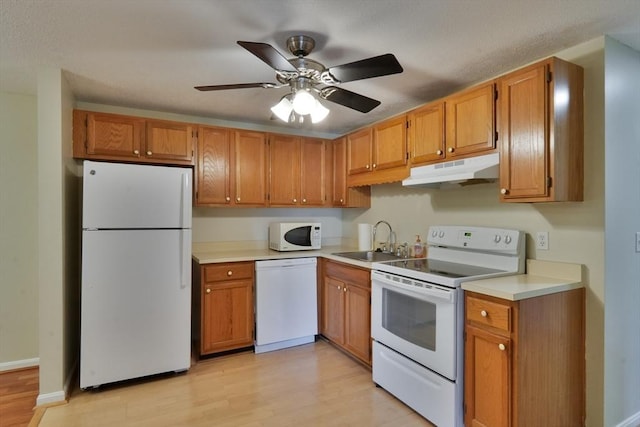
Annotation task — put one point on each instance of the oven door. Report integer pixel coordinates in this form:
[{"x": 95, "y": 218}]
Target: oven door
[{"x": 416, "y": 319}]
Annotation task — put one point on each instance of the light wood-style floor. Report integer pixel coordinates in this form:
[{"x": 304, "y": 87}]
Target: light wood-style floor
[
  {"x": 18, "y": 393},
  {"x": 309, "y": 385}
]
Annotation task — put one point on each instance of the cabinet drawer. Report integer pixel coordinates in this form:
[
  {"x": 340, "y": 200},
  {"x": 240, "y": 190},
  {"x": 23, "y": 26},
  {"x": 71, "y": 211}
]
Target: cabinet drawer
[
  {"x": 349, "y": 274},
  {"x": 231, "y": 271},
  {"x": 489, "y": 313}
]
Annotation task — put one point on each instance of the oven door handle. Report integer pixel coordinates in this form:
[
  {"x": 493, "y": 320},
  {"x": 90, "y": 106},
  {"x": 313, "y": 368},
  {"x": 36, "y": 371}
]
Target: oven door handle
[{"x": 430, "y": 291}]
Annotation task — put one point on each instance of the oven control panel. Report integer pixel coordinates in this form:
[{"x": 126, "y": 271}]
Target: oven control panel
[{"x": 476, "y": 238}]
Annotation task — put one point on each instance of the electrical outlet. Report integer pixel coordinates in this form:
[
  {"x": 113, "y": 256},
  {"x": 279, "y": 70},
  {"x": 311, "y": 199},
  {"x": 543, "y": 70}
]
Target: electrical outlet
[{"x": 542, "y": 240}]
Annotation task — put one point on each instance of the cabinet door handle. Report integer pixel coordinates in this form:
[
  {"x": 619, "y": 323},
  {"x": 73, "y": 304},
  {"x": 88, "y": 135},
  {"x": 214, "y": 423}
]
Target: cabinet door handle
[
  {"x": 237, "y": 199},
  {"x": 304, "y": 200},
  {"x": 228, "y": 199},
  {"x": 375, "y": 166},
  {"x": 451, "y": 149},
  {"x": 367, "y": 166},
  {"x": 229, "y": 273},
  {"x": 341, "y": 200},
  {"x": 344, "y": 289},
  {"x": 208, "y": 290},
  {"x": 504, "y": 191},
  {"x": 439, "y": 152},
  {"x": 295, "y": 200},
  {"x": 136, "y": 152},
  {"x": 483, "y": 313},
  {"x": 149, "y": 153},
  {"x": 501, "y": 347},
  {"x": 339, "y": 287}
]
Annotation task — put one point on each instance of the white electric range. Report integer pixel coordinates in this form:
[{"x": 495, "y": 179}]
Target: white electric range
[{"x": 417, "y": 311}]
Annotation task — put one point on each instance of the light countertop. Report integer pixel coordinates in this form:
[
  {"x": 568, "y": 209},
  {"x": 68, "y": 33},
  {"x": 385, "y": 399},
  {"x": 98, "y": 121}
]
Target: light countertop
[
  {"x": 211, "y": 254},
  {"x": 542, "y": 278}
]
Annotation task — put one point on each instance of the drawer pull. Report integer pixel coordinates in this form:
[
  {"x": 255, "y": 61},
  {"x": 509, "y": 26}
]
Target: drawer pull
[
  {"x": 229, "y": 273},
  {"x": 484, "y": 313},
  {"x": 501, "y": 347},
  {"x": 208, "y": 290}
]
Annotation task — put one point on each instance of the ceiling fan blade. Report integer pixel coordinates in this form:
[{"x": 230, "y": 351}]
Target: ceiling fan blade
[
  {"x": 376, "y": 66},
  {"x": 269, "y": 55},
  {"x": 238, "y": 86},
  {"x": 349, "y": 99}
]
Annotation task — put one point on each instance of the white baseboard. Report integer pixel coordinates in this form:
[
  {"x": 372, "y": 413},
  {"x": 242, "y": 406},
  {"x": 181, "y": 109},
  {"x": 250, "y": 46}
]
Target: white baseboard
[
  {"x": 51, "y": 398},
  {"x": 19, "y": 364},
  {"x": 57, "y": 397},
  {"x": 632, "y": 421}
]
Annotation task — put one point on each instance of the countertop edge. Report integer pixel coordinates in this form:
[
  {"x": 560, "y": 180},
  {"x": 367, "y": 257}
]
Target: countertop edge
[
  {"x": 539, "y": 281},
  {"x": 216, "y": 257}
]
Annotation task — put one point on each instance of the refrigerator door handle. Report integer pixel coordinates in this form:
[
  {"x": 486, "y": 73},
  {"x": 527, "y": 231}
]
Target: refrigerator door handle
[
  {"x": 184, "y": 261},
  {"x": 184, "y": 198}
]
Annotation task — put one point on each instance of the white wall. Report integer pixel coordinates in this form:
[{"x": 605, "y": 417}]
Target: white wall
[
  {"x": 251, "y": 225},
  {"x": 18, "y": 231},
  {"x": 58, "y": 249},
  {"x": 622, "y": 261},
  {"x": 576, "y": 230}
]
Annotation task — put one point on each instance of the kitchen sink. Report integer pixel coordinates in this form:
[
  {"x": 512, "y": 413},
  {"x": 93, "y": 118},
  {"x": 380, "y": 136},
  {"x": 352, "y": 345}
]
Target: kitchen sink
[{"x": 369, "y": 256}]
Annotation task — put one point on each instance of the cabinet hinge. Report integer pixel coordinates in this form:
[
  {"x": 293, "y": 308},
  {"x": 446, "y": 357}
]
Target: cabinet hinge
[
  {"x": 407, "y": 155},
  {"x": 495, "y": 95},
  {"x": 549, "y": 182},
  {"x": 194, "y": 133},
  {"x": 549, "y": 76},
  {"x": 496, "y": 137},
  {"x": 408, "y": 124}
]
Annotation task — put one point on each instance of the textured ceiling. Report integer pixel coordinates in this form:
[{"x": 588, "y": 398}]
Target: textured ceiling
[{"x": 149, "y": 54}]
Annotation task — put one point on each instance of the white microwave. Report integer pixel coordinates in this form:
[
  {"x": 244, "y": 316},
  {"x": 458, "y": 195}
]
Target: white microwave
[{"x": 294, "y": 236}]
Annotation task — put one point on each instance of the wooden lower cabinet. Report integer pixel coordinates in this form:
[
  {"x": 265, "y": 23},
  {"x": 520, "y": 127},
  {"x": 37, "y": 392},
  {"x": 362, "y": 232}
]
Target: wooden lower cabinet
[
  {"x": 524, "y": 360},
  {"x": 345, "y": 309},
  {"x": 223, "y": 306}
]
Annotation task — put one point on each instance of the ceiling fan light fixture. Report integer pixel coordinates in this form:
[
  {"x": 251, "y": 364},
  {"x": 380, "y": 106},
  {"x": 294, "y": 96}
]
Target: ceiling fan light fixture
[
  {"x": 303, "y": 102},
  {"x": 283, "y": 109},
  {"x": 319, "y": 113}
]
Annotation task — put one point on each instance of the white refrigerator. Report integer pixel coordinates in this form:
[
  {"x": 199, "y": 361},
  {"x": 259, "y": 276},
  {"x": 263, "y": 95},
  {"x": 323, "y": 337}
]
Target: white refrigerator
[{"x": 136, "y": 271}]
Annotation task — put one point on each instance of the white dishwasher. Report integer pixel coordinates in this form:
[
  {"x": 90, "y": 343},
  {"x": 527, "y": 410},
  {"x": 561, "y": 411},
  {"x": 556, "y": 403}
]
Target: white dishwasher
[{"x": 286, "y": 303}]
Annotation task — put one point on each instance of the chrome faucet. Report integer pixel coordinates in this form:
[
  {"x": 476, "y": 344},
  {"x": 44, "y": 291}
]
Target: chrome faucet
[{"x": 388, "y": 246}]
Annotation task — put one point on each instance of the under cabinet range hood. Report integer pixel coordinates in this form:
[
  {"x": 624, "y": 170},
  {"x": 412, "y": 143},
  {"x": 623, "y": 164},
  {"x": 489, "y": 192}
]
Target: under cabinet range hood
[{"x": 484, "y": 168}]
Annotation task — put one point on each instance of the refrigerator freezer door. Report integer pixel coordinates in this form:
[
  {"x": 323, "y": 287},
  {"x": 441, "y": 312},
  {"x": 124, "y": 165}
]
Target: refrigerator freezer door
[
  {"x": 136, "y": 304},
  {"x": 117, "y": 195}
]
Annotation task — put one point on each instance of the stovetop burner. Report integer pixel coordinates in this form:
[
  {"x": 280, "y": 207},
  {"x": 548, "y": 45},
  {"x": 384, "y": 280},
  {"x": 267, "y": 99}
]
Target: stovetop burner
[{"x": 442, "y": 268}]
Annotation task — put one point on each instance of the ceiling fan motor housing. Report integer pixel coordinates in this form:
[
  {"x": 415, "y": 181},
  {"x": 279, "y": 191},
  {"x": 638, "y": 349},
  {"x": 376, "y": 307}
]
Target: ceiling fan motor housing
[{"x": 300, "y": 45}]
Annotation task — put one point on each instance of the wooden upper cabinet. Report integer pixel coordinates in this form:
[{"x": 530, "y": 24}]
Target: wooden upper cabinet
[
  {"x": 314, "y": 169},
  {"x": 341, "y": 195},
  {"x": 104, "y": 136},
  {"x": 213, "y": 184},
  {"x": 470, "y": 121},
  {"x": 378, "y": 154},
  {"x": 541, "y": 133},
  {"x": 390, "y": 144},
  {"x": 298, "y": 171},
  {"x": 172, "y": 141},
  {"x": 108, "y": 136},
  {"x": 360, "y": 151},
  {"x": 284, "y": 165},
  {"x": 427, "y": 134},
  {"x": 249, "y": 174}
]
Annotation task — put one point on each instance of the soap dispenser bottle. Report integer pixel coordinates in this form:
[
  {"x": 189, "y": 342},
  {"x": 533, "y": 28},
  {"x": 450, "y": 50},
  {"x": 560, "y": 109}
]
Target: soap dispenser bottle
[{"x": 417, "y": 247}]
